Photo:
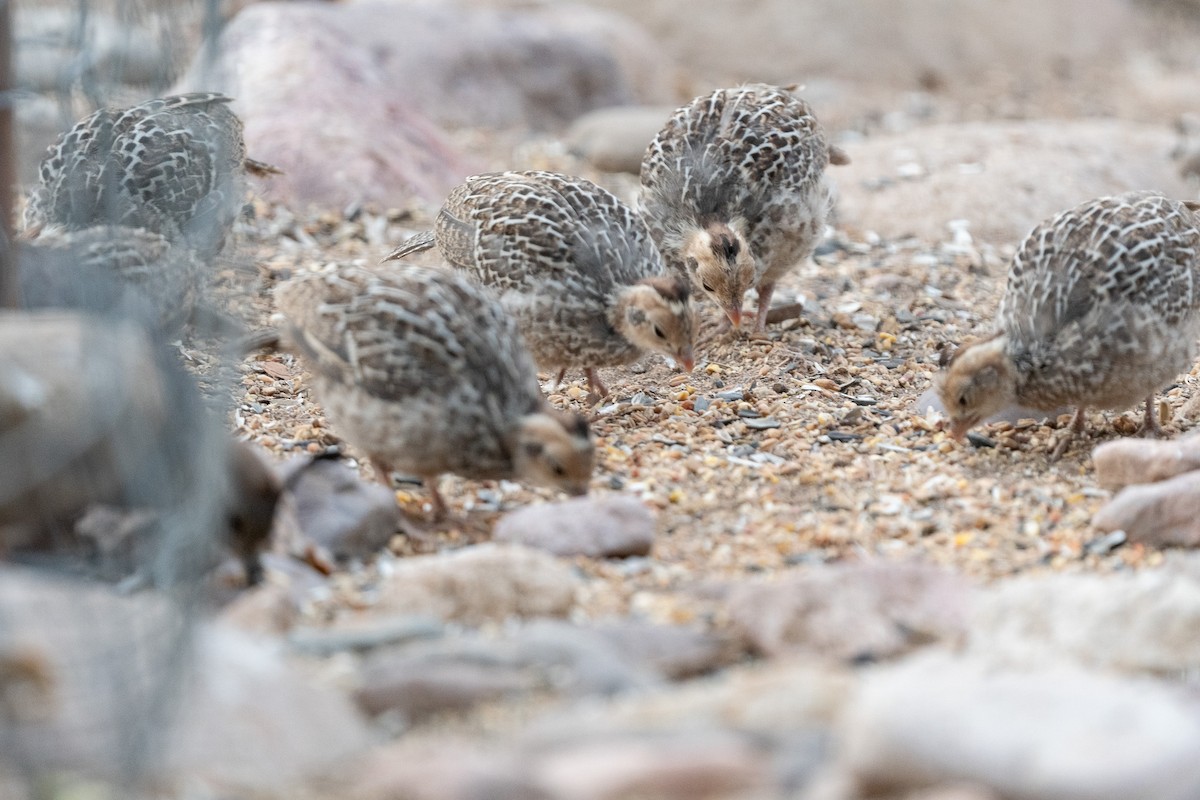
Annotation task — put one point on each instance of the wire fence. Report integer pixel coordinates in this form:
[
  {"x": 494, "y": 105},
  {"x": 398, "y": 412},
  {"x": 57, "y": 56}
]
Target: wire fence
[{"x": 114, "y": 464}]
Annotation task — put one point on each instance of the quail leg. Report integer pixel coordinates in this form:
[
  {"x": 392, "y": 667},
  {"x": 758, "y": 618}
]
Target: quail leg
[
  {"x": 1150, "y": 427},
  {"x": 594, "y": 383},
  {"x": 436, "y": 502},
  {"x": 1073, "y": 430},
  {"x": 383, "y": 473},
  {"x": 562, "y": 373},
  {"x": 764, "y": 306}
]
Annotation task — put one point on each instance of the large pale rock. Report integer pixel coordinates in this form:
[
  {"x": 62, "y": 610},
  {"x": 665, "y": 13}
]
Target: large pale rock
[
  {"x": 861, "y": 611},
  {"x": 251, "y": 720},
  {"x": 1061, "y": 734},
  {"x": 614, "y": 525},
  {"x": 488, "y": 582},
  {"x": 1137, "y": 623},
  {"x": 993, "y": 175},
  {"x": 316, "y": 104},
  {"x": 1123, "y": 462},
  {"x": 1162, "y": 514}
]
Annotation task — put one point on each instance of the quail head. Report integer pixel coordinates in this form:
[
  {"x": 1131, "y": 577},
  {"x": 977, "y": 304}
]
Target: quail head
[
  {"x": 573, "y": 264},
  {"x": 734, "y": 191}
]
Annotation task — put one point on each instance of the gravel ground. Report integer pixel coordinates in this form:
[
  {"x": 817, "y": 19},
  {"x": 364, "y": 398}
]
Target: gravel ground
[{"x": 798, "y": 448}]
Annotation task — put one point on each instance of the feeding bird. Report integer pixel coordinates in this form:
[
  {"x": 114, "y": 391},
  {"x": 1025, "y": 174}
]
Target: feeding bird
[
  {"x": 425, "y": 372},
  {"x": 1101, "y": 309},
  {"x": 733, "y": 189},
  {"x": 173, "y": 165},
  {"x": 572, "y": 263}
]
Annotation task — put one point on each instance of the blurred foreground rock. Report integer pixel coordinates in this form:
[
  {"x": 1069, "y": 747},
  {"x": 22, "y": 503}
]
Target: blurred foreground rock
[
  {"x": 1038, "y": 734},
  {"x": 601, "y": 526},
  {"x": 851, "y": 612},
  {"x": 1141, "y": 623},
  {"x": 488, "y": 582}
]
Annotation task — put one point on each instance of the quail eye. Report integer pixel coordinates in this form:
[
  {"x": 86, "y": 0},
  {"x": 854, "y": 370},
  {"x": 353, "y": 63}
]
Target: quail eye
[
  {"x": 659, "y": 332},
  {"x": 962, "y": 401},
  {"x": 706, "y": 287},
  {"x": 558, "y": 470}
]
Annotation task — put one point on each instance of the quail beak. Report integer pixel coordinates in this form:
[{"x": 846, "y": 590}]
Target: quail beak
[
  {"x": 735, "y": 316},
  {"x": 959, "y": 428},
  {"x": 577, "y": 489},
  {"x": 686, "y": 360}
]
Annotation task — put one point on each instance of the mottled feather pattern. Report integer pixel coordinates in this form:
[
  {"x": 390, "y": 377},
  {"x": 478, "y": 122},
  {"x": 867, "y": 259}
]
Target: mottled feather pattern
[
  {"x": 171, "y": 165},
  {"x": 112, "y": 269},
  {"x": 752, "y": 156},
  {"x": 1103, "y": 301},
  {"x": 418, "y": 366},
  {"x": 556, "y": 250}
]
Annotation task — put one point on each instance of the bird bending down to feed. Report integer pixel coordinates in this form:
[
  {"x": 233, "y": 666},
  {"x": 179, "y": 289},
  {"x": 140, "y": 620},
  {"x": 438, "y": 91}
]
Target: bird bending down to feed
[
  {"x": 735, "y": 194},
  {"x": 573, "y": 264},
  {"x": 424, "y": 372},
  {"x": 1101, "y": 308},
  {"x": 174, "y": 166}
]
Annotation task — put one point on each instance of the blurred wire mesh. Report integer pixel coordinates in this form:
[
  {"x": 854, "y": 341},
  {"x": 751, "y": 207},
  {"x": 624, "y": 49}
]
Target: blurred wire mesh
[{"x": 114, "y": 459}]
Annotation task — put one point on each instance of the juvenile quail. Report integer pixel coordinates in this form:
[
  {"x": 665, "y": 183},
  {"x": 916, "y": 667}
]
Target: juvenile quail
[
  {"x": 735, "y": 194},
  {"x": 426, "y": 373},
  {"x": 573, "y": 264},
  {"x": 1101, "y": 309},
  {"x": 114, "y": 270},
  {"x": 174, "y": 165}
]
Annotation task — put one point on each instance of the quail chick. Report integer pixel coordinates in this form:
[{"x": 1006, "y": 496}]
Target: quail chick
[
  {"x": 114, "y": 270},
  {"x": 573, "y": 264},
  {"x": 1101, "y": 309},
  {"x": 174, "y": 166},
  {"x": 425, "y": 372},
  {"x": 734, "y": 192}
]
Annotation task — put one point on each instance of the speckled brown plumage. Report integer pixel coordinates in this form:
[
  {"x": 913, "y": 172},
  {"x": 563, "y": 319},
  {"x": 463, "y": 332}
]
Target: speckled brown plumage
[
  {"x": 1101, "y": 309},
  {"x": 426, "y": 373},
  {"x": 121, "y": 271},
  {"x": 173, "y": 165},
  {"x": 734, "y": 191},
  {"x": 573, "y": 264}
]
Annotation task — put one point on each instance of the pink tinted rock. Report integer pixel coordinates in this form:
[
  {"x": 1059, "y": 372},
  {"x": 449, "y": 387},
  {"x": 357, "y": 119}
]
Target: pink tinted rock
[
  {"x": 613, "y": 526},
  {"x": 443, "y": 769},
  {"x": 1125, "y": 462},
  {"x": 678, "y": 766},
  {"x": 316, "y": 105},
  {"x": 859, "y": 611},
  {"x": 1160, "y": 514}
]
